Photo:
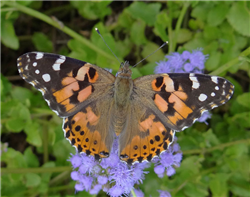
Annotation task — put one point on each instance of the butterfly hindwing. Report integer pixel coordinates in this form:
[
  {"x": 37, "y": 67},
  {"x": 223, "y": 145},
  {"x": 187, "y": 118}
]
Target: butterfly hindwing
[
  {"x": 89, "y": 131},
  {"x": 144, "y": 136},
  {"x": 183, "y": 97},
  {"x": 65, "y": 83}
]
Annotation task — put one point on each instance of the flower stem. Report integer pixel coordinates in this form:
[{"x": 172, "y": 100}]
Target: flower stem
[
  {"x": 133, "y": 193},
  {"x": 178, "y": 26},
  {"x": 231, "y": 62}
]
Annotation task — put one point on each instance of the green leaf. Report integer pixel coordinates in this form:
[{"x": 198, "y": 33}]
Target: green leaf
[
  {"x": 239, "y": 17},
  {"x": 125, "y": 19},
  {"x": 213, "y": 62},
  {"x": 239, "y": 186},
  {"x": 211, "y": 33},
  {"x": 42, "y": 42},
  {"x": 149, "y": 48},
  {"x": 192, "y": 189},
  {"x": 14, "y": 159},
  {"x": 217, "y": 14},
  {"x": 218, "y": 184},
  {"x": 92, "y": 10},
  {"x": 21, "y": 94},
  {"x": 61, "y": 151},
  {"x": 145, "y": 12},
  {"x": 195, "y": 43},
  {"x": 244, "y": 99},
  {"x": 30, "y": 158},
  {"x": 148, "y": 68},
  {"x": 137, "y": 33},
  {"x": 196, "y": 24},
  {"x": 200, "y": 11},
  {"x": 6, "y": 87},
  {"x": 8, "y": 35},
  {"x": 184, "y": 35},
  {"x": 33, "y": 137},
  {"x": 211, "y": 138},
  {"x": 242, "y": 119},
  {"x": 162, "y": 22},
  {"x": 32, "y": 180},
  {"x": 15, "y": 125},
  {"x": 236, "y": 151}
]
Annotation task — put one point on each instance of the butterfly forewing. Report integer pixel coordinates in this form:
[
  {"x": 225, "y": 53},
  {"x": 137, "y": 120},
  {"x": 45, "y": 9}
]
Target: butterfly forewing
[
  {"x": 183, "y": 97},
  {"x": 64, "y": 82}
]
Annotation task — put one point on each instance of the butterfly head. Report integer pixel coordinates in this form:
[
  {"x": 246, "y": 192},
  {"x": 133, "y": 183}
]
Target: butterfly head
[{"x": 124, "y": 71}]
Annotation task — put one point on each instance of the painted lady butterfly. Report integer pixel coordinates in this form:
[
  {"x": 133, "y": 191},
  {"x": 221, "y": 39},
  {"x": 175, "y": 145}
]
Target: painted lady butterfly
[{"x": 144, "y": 112}]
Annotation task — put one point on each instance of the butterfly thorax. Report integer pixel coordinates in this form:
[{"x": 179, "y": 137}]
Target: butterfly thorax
[{"x": 122, "y": 94}]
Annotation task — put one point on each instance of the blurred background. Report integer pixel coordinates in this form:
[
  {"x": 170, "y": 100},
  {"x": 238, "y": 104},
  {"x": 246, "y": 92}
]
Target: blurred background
[{"x": 34, "y": 152}]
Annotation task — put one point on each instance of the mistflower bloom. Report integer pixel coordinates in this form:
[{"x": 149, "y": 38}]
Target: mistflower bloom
[
  {"x": 185, "y": 63},
  {"x": 115, "y": 177},
  {"x": 165, "y": 163},
  {"x": 164, "y": 193},
  {"x": 110, "y": 174}
]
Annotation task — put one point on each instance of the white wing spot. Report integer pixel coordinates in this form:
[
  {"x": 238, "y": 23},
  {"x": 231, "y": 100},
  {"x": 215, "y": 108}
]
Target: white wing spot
[
  {"x": 202, "y": 97},
  {"x": 26, "y": 67},
  {"x": 59, "y": 61},
  {"x": 62, "y": 58},
  {"x": 46, "y": 77},
  {"x": 37, "y": 71},
  {"x": 56, "y": 67},
  {"x": 216, "y": 87},
  {"x": 215, "y": 79},
  {"x": 39, "y": 56},
  {"x": 194, "y": 80},
  {"x": 212, "y": 94},
  {"x": 35, "y": 64}
]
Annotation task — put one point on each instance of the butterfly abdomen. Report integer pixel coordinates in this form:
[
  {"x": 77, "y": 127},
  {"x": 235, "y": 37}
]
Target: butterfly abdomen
[{"x": 122, "y": 96}]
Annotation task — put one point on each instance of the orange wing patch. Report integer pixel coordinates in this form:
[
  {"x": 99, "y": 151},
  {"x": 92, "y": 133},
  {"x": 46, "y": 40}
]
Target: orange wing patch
[
  {"x": 153, "y": 139},
  {"x": 76, "y": 87},
  {"x": 170, "y": 101},
  {"x": 80, "y": 131}
]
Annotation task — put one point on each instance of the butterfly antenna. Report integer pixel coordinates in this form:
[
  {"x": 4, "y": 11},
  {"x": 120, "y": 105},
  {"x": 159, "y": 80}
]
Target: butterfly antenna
[
  {"x": 151, "y": 53},
  {"x": 107, "y": 44}
]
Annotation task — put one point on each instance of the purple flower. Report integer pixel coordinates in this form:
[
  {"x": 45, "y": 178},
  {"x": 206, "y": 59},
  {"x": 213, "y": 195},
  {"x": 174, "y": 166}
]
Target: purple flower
[
  {"x": 204, "y": 117},
  {"x": 110, "y": 174},
  {"x": 186, "y": 62},
  {"x": 168, "y": 160},
  {"x": 164, "y": 193},
  {"x": 115, "y": 177},
  {"x": 180, "y": 63}
]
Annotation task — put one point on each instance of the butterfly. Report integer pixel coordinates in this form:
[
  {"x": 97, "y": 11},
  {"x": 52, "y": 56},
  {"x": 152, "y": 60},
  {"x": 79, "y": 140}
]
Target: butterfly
[{"x": 97, "y": 106}]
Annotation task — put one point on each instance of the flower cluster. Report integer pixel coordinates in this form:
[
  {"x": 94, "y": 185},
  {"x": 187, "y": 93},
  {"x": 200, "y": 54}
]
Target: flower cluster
[
  {"x": 165, "y": 163},
  {"x": 185, "y": 63},
  {"x": 110, "y": 174},
  {"x": 115, "y": 177}
]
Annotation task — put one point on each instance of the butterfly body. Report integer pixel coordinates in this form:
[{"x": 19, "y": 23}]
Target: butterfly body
[{"x": 97, "y": 106}]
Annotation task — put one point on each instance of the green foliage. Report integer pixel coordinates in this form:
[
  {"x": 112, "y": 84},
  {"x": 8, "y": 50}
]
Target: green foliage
[{"x": 216, "y": 156}]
